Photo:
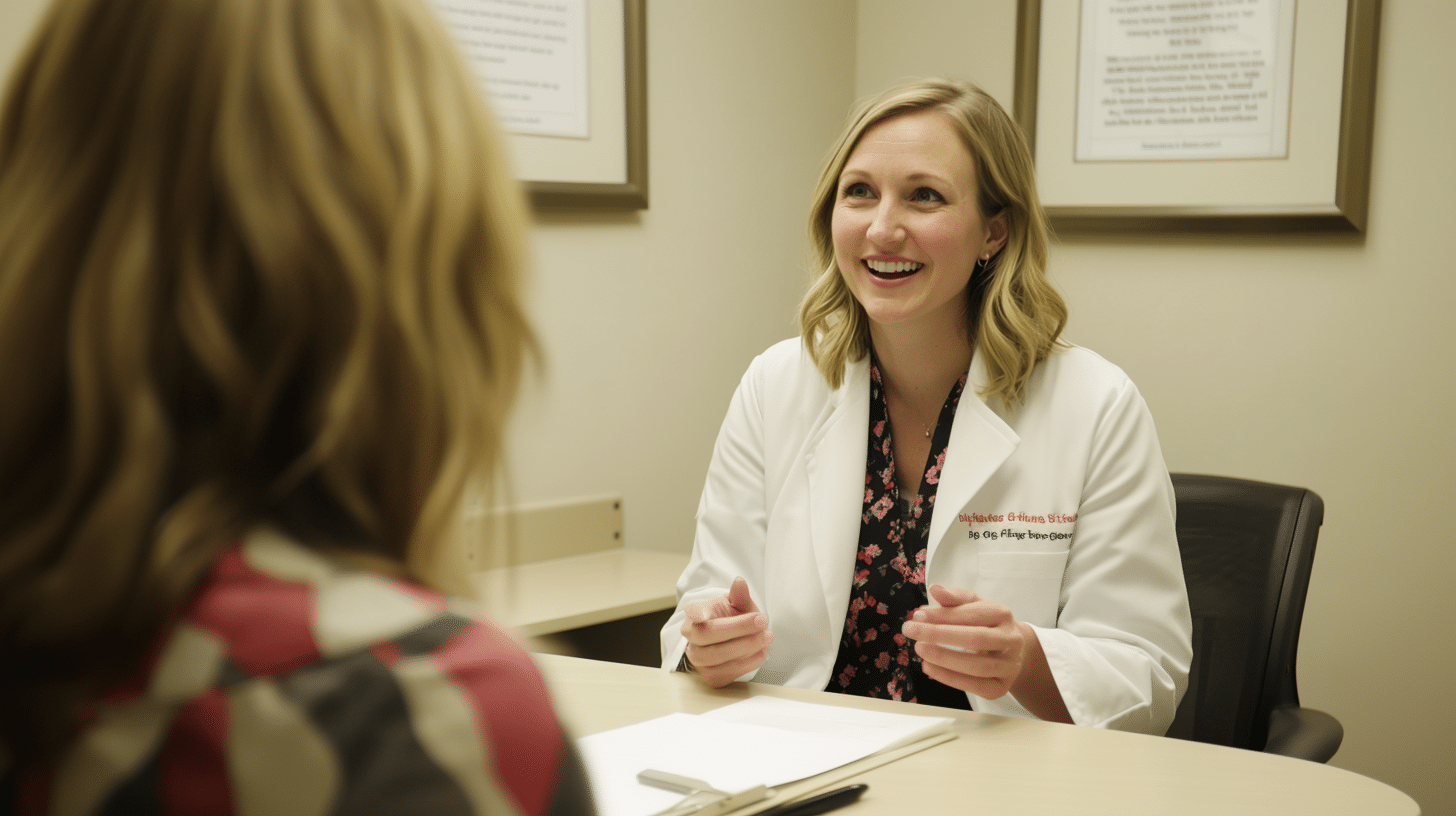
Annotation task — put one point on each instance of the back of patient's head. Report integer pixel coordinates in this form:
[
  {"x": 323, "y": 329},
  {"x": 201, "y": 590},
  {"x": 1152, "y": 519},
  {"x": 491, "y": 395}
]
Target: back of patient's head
[{"x": 258, "y": 265}]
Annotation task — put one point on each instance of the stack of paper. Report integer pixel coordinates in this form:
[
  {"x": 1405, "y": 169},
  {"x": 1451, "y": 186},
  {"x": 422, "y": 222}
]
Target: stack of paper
[{"x": 759, "y": 741}]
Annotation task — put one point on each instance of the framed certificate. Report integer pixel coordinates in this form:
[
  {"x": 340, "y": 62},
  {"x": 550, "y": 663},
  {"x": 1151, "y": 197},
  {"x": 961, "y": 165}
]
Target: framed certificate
[
  {"x": 567, "y": 80},
  {"x": 1199, "y": 115}
]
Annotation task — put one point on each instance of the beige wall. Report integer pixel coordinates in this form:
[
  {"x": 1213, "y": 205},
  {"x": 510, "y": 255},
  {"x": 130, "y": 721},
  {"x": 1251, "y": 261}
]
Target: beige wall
[
  {"x": 649, "y": 320},
  {"x": 1317, "y": 361},
  {"x": 17, "y": 19}
]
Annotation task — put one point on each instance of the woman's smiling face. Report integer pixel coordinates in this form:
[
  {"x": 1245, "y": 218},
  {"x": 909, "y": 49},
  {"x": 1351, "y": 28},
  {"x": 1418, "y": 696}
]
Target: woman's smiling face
[{"x": 906, "y": 224}]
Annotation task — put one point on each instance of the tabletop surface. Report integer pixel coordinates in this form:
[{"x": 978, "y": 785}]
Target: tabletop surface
[{"x": 1002, "y": 765}]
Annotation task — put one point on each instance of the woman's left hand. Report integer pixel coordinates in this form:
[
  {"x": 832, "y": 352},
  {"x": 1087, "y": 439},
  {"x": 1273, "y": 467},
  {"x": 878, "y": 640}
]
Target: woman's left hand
[
  {"x": 979, "y": 647},
  {"x": 971, "y": 644}
]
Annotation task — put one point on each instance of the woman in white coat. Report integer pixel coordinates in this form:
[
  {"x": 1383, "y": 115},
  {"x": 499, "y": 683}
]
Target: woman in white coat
[{"x": 928, "y": 496}]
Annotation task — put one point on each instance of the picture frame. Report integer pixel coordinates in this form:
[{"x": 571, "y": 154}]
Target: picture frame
[
  {"x": 608, "y": 170},
  {"x": 1322, "y": 184}
]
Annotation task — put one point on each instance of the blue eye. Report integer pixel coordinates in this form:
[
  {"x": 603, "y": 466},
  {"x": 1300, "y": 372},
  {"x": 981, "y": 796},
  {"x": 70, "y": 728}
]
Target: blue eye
[{"x": 927, "y": 195}]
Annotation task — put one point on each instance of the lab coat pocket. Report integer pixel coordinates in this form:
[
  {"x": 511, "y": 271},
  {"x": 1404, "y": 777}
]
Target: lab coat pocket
[{"x": 1030, "y": 583}]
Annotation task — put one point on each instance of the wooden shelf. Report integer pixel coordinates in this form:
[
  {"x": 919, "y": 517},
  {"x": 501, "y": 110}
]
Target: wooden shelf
[{"x": 559, "y": 594}]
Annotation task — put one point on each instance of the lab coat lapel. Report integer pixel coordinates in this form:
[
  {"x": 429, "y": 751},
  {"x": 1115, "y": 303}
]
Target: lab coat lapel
[
  {"x": 836, "y": 467},
  {"x": 980, "y": 441}
]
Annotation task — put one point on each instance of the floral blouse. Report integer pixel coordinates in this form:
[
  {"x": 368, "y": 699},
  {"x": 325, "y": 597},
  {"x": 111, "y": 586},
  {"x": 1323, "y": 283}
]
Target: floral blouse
[{"x": 875, "y": 659}]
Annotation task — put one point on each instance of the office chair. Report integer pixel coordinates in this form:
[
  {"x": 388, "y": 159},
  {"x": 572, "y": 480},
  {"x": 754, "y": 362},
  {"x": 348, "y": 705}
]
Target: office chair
[{"x": 1247, "y": 549}]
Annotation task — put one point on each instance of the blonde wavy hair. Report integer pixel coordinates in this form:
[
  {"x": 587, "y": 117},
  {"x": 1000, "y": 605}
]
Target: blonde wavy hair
[
  {"x": 1015, "y": 316},
  {"x": 259, "y": 265}
]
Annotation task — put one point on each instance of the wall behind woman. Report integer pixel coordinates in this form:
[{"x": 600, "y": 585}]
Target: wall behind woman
[
  {"x": 1318, "y": 361},
  {"x": 650, "y": 319},
  {"x": 18, "y": 18}
]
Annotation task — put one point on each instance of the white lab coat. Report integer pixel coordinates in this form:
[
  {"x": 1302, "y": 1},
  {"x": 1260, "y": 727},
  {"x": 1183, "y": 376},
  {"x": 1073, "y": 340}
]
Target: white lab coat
[{"x": 1061, "y": 509}]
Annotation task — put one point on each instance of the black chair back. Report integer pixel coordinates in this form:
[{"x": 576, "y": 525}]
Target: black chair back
[{"x": 1247, "y": 549}]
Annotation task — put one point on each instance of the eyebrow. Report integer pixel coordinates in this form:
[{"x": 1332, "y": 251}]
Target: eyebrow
[
  {"x": 927, "y": 176},
  {"x": 913, "y": 178}
]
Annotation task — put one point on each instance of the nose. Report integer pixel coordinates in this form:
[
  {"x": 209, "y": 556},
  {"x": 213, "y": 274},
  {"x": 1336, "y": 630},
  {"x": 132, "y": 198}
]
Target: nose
[{"x": 887, "y": 228}]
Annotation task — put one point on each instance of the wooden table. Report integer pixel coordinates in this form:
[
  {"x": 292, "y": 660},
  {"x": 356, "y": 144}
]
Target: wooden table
[{"x": 998, "y": 765}]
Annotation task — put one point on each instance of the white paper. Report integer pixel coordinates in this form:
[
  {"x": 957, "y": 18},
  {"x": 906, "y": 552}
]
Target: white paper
[
  {"x": 869, "y": 731},
  {"x": 1184, "y": 79},
  {"x": 531, "y": 55},
  {"x": 759, "y": 741}
]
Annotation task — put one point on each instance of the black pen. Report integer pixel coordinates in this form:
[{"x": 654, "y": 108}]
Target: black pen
[{"x": 823, "y": 803}]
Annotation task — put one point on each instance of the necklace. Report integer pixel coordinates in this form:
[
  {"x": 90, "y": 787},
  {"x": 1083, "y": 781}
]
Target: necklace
[{"x": 928, "y": 429}]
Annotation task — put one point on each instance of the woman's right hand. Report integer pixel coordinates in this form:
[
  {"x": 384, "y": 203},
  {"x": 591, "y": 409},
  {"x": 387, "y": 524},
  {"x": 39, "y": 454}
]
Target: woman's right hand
[{"x": 728, "y": 636}]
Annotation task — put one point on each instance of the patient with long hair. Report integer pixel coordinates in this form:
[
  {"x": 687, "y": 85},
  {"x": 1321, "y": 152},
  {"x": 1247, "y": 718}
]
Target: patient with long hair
[{"x": 260, "y": 331}]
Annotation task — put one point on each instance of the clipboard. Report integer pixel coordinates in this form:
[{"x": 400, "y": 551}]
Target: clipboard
[
  {"x": 736, "y": 750},
  {"x": 804, "y": 787},
  {"x": 761, "y": 798},
  {"x": 701, "y": 799}
]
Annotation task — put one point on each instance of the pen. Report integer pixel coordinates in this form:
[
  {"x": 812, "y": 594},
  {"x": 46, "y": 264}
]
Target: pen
[{"x": 823, "y": 803}]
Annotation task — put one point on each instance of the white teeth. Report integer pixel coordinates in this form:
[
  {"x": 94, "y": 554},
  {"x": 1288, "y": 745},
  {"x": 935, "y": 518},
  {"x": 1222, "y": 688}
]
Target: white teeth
[{"x": 893, "y": 267}]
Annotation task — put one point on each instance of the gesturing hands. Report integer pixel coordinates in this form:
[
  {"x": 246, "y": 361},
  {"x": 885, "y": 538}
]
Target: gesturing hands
[
  {"x": 968, "y": 643},
  {"x": 978, "y": 646},
  {"x": 727, "y": 636}
]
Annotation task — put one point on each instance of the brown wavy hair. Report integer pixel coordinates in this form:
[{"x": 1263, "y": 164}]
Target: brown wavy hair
[
  {"x": 1015, "y": 315},
  {"x": 259, "y": 265}
]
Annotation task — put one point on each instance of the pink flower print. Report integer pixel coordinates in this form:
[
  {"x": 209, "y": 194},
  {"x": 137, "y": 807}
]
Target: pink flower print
[
  {"x": 901, "y": 640},
  {"x": 898, "y": 563},
  {"x": 903, "y": 658},
  {"x": 883, "y": 661},
  {"x": 932, "y": 476},
  {"x": 873, "y": 550},
  {"x": 920, "y": 555},
  {"x": 855, "y": 605},
  {"x": 861, "y": 576},
  {"x": 882, "y": 609},
  {"x": 845, "y": 676},
  {"x": 881, "y": 507},
  {"x": 879, "y": 429},
  {"x": 869, "y": 494},
  {"x": 916, "y": 577},
  {"x": 872, "y": 634}
]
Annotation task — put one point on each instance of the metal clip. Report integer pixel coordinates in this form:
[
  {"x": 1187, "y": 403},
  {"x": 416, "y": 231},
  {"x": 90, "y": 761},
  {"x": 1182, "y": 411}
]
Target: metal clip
[{"x": 701, "y": 798}]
